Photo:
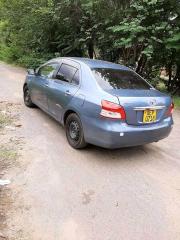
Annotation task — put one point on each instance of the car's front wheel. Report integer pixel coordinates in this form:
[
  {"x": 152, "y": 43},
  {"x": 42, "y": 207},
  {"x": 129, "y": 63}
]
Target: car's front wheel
[
  {"x": 27, "y": 98},
  {"x": 74, "y": 132}
]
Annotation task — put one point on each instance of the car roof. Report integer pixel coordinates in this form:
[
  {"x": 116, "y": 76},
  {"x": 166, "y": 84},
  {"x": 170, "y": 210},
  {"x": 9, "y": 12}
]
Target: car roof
[{"x": 94, "y": 63}]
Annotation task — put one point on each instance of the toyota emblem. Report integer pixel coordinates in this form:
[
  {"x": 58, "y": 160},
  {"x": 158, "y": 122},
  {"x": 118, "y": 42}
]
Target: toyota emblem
[{"x": 153, "y": 102}]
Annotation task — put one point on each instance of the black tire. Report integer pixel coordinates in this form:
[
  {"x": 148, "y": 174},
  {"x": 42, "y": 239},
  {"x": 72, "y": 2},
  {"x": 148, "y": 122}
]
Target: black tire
[
  {"x": 27, "y": 98},
  {"x": 74, "y": 132}
]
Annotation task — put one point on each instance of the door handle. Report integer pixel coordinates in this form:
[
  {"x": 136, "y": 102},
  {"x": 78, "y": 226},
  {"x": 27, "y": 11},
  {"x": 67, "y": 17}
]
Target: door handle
[
  {"x": 67, "y": 93},
  {"x": 46, "y": 84}
]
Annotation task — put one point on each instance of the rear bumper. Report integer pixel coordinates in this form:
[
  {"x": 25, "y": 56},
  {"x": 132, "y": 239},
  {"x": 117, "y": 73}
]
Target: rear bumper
[{"x": 115, "y": 134}]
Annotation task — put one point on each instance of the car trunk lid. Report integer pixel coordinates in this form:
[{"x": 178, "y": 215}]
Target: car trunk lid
[{"x": 139, "y": 103}]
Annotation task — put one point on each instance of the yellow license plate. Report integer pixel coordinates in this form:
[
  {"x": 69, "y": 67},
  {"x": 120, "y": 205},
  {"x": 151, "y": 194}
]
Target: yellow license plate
[{"x": 149, "y": 116}]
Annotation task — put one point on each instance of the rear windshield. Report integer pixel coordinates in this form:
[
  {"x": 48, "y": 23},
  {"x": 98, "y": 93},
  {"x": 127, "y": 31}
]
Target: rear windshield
[{"x": 119, "y": 79}]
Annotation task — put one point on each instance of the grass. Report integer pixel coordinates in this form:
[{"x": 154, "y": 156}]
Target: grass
[
  {"x": 7, "y": 154},
  {"x": 161, "y": 86},
  {"x": 8, "y": 157},
  {"x": 176, "y": 100},
  {"x": 5, "y": 120}
]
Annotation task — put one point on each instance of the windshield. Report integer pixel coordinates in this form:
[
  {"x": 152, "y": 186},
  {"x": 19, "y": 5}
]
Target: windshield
[{"x": 119, "y": 79}]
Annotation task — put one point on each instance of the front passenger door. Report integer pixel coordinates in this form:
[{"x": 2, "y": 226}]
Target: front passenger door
[{"x": 40, "y": 84}]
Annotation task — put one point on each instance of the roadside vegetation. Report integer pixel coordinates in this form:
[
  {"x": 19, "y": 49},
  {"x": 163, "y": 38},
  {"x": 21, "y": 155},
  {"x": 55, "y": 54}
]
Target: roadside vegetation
[
  {"x": 10, "y": 146},
  {"x": 8, "y": 160},
  {"x": 142, "y": 34},
  {"x": 176, "y": 100},
  {"x": 8, "y": 123},
  {"x": 5, "y": 120}
]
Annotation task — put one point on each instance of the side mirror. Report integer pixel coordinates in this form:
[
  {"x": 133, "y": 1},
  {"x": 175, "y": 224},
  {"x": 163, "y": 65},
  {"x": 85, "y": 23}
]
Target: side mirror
[{"x": 31, "y": 71}]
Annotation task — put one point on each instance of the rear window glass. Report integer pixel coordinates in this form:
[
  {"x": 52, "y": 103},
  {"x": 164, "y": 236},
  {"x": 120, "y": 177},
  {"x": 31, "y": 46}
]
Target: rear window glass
[
  {"x": 119, "y": 79},
  {"x": 75, "y": 79},
  {"x": 67, "y": 72}
]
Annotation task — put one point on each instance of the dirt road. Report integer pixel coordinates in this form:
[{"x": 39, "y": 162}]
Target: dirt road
[{"x": 58, "y": 193}]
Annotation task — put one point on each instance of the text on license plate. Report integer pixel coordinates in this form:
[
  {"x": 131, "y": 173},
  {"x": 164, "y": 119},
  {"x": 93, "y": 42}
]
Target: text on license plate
[{"x": 149, "y": 116}]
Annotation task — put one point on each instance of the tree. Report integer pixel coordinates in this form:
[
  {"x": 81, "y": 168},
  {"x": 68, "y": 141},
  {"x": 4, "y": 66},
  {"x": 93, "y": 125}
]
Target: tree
[{"x": 142, "y": 34}]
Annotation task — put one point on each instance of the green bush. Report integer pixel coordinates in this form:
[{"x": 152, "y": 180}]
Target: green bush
[
  {"x": 176, "y": 100},
  {"x": 30, "y": 61},
  {"x": 10, "y": 54},
  {"x": 15, "y": 55}
]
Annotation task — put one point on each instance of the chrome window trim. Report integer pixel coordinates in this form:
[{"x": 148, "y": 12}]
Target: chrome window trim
[{"x": 149, "y": 107}]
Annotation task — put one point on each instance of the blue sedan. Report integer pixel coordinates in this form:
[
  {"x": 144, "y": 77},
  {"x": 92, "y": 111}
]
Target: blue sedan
[{"x": 99, "y": 102}]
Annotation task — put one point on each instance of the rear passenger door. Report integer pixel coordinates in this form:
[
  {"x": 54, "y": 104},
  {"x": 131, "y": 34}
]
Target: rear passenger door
[{"x": 63, "y": 87}]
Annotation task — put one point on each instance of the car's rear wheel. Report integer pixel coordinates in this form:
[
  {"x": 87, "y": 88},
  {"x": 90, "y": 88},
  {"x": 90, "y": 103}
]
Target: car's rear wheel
[
  {"x": 27, "y": 98},
  {"x": 74, "y": 132}
]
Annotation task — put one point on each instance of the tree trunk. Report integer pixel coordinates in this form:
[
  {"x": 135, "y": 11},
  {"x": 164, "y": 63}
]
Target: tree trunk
[
  {"x": 91, "y": 49},
  {"x": 170, "y": 76},
  {"x": 141, "y": 64},
  {"x": 176, "y": 81}
]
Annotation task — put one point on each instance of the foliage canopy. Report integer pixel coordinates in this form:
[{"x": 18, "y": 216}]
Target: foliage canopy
[{"x": 143, "y": 34}]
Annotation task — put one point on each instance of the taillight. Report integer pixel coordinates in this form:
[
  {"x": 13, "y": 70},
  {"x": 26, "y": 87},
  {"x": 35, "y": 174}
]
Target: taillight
[
  {"x": 170, "y": 109},
  {"x": 112, "y": 110}
]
